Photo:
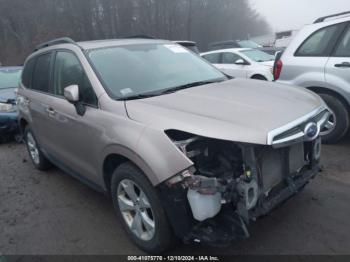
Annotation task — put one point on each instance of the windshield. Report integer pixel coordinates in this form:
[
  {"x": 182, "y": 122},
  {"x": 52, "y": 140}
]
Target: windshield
[
  {"x": 248, "y": 44},
  {"x": 127, "y": 71},
  {"x": 9, "y": 78},
  {"x": 258, "y": 56}
]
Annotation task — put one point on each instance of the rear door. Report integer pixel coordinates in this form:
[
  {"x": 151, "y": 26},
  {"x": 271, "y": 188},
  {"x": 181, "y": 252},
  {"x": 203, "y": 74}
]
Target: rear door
[
  {"x": 36, "y": 80},
  {"x": 338, "y": 65},
  {"x": 228, "y": 65}
]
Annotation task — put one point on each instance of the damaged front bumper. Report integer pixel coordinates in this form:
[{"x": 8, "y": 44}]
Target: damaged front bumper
[{"x": 269, "y": 178}]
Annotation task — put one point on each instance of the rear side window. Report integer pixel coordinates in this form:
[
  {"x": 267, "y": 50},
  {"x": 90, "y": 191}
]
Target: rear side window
[
  {"x": 213, "y": 58},
  {"x": 41, "y": 74},
  {"x": 27, "y": 72},
  {"x": 321, "y": 42},
  {"x": 343, "y": 49}
]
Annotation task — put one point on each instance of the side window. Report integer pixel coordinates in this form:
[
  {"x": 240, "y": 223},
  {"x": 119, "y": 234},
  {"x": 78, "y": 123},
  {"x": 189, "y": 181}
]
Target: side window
[
  {"x": 213, "y": 58},
  {"x": 41, "y": 74},
  {"x": 27, "y": 72},
  {"x": 343, "y": 50},
  {"x": 68, "y": 71},
  {"x": 320, "y": 43},
  {"x": 230, "y": 58}
]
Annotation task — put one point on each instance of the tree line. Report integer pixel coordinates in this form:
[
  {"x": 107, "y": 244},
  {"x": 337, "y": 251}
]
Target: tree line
[{"x": 26, "y": 23}]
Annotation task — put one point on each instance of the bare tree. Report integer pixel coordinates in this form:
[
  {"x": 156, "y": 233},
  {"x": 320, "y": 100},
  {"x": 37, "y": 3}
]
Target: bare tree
[{"x": 24, "y": 24}]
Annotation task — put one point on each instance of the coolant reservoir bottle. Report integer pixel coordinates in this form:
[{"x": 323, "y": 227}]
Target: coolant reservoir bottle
[{"x": 204, "y": 206}]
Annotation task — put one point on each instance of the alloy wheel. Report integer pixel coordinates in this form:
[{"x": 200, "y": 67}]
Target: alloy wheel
[
  {"x": 33, "y": 148},
  {"x": 136, "y": 210}
]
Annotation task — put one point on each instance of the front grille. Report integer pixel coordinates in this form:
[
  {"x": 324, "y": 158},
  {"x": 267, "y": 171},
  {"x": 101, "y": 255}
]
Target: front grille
[{"x": 297, "y": 133}]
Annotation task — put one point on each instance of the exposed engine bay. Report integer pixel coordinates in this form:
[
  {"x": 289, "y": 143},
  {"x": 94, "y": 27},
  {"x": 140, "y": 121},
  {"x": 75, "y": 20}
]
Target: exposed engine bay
[{"x": 232, "y": 184}]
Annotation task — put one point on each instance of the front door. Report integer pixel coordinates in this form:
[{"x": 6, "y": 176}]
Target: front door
[
  {"x": 338, "y": 65},
  {"x": 73, "y": 135},
  {"x": 228, "y": 65}
]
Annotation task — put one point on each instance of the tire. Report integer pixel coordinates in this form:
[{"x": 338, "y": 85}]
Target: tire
[
  {"x": 154, "y": 241},
  {"x": 38, "y": 159},
  {"x": 340, "y": 119},
  {"x": 259, "y": 77}
]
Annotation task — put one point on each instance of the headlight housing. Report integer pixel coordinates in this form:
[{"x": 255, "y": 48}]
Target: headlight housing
[{"x": 7, "y": 108}]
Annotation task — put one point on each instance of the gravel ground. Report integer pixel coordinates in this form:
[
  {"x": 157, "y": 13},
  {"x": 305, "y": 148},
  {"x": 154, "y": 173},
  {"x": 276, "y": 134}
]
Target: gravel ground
[{"x": 52, "y": 213}]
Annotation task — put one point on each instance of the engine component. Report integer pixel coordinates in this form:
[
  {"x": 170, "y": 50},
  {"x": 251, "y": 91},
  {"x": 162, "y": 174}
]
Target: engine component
[
  {"x": 248, "y": 192},
  {"x": 204, "y": 206}
]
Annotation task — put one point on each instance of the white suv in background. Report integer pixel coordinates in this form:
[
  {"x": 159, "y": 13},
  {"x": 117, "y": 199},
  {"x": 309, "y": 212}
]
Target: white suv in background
[
  {"x": 242, "y": 62},
  {"x": 318, "y": 58}
]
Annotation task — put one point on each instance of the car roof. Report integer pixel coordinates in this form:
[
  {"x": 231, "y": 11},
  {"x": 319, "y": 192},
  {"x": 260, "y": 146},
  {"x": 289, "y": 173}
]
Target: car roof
[
  {"x": 330, "y": 21},
  {"x": 227, "y": 50},
  {"x": 86, "y": 45}
]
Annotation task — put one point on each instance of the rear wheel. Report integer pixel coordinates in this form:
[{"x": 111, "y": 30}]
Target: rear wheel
[
  {"x": 338, "y": 124},
  {"x": 139, "y": 209},
  {"x": 36, "y": 155}
]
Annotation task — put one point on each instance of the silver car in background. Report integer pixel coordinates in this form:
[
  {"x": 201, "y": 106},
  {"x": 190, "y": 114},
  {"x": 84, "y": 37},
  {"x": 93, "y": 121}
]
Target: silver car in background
[
  {"x": 242, "y": 63},
  {"x": 318, "y": 58},
  {"x": 183, "y": 151}
]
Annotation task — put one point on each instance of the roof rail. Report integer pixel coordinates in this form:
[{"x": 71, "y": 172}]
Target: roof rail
[
  {"x": 322, "y": 19},
  {"x": 63, "y": 40}
]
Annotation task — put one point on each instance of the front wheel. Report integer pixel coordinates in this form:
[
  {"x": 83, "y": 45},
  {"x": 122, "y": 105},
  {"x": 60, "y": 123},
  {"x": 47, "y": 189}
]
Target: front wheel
[
  {"x": 338, "y": 124},
  {"x": 139, "y": 209}
]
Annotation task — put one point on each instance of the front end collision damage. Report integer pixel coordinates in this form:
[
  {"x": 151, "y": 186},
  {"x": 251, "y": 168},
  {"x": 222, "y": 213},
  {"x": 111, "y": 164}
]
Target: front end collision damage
[{"x": 232, "y": 184}]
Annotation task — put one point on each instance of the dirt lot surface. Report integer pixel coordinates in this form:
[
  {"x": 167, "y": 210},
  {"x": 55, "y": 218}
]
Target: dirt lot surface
[{"x": 52, "y": 213}]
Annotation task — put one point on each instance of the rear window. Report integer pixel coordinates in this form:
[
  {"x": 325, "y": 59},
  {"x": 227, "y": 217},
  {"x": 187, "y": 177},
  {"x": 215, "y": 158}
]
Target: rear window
[
  {"x": 9, "y": 77},
  {"x": 41, "y": 74},
  {"x": 321, "y": 42}
]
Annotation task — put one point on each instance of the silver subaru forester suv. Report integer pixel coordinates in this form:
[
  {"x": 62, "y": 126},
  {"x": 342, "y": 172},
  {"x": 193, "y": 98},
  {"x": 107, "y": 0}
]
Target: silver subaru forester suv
[
  {"x": 184, "y": 151},
  {"x": 318, "y": 58}
]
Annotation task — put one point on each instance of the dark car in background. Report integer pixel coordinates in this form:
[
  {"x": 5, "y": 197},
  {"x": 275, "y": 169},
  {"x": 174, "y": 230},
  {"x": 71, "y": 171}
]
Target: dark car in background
[
  {"x": 242, "y": 44},
  {"x": 189, "y": 45},
  {"x": 9, "y": 80}
]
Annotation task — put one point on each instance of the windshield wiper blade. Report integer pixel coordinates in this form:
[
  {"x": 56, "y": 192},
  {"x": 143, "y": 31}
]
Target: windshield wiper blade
[
  {"x": 177, "y": 88},
  {"x": 170, "y": 90},
  {"x": 140, "y": 96}
]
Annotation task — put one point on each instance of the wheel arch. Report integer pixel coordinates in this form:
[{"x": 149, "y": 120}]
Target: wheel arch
[
  {"x": 117, "y": 155},
  {"x": 22, "y": 124},
  {"x": 258, "y": 76},
  {"x": 323, "y": 90}
]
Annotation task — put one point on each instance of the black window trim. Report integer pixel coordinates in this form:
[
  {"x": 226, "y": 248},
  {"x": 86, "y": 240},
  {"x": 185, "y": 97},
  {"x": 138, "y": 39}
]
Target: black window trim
[
  {"x": 330, "y": 46},
  {"x": 340, "y": 39},
  {"x": 97, "y": 106}
]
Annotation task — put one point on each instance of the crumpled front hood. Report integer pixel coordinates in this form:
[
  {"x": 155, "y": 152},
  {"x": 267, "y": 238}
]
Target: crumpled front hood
[
  {"x": 7, "y": 94},
  {"x": 237, "y": 110}
]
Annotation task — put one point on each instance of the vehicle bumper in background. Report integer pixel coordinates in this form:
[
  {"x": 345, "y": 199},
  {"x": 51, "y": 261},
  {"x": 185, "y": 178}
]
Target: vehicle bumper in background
[{"x": 8, "y": 124}]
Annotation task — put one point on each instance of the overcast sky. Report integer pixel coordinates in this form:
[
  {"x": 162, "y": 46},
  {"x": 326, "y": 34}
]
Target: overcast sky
[{"x": 293, "y": 14}]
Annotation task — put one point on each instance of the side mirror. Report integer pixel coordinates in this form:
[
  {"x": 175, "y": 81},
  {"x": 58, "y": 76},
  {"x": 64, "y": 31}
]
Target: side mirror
[
  {"x": 240, "y": 62},
  {"x": 71, "y": 93}
]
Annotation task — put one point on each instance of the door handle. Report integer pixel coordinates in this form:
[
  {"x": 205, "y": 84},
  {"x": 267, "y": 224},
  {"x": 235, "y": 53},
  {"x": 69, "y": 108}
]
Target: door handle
[
  {"x": 344, "y": 64},
  {"x": 51, "y": 111},
  {"x": 26, "y": 101}
]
